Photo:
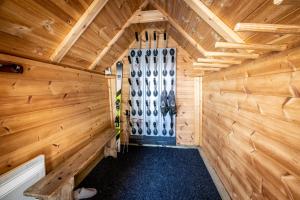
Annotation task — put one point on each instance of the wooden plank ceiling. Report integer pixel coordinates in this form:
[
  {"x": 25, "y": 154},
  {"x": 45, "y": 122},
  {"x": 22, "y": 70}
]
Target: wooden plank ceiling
[{"x": 36, "y": 28}]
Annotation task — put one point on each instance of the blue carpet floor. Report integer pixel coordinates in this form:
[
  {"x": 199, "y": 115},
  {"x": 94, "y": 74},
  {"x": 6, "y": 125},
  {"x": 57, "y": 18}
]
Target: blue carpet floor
[{"x": 152, "y": 173}]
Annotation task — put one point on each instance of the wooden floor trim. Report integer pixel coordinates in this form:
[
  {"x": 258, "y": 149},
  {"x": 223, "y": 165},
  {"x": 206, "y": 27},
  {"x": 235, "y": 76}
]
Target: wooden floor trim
[{"x": 219, "y": 185}]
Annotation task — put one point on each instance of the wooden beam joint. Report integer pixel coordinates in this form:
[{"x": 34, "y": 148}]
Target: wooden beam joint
[
  {"x": 148, "y": 17},
  {"x": 179, "y": 28},
  {"x": 116, "y": 37}
]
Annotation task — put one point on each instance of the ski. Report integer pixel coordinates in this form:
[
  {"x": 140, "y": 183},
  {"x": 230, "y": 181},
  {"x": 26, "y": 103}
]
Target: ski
[{"x": 119, "y": 72}]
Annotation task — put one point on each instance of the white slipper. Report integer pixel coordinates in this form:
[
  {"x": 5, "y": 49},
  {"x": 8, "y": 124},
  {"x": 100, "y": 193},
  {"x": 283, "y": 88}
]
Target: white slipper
[{"x": 84, "y": 193}]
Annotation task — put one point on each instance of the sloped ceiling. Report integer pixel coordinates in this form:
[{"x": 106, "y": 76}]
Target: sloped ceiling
[
  {"x": 104, "y": 27},
  {"x": 34, "y": 28}
]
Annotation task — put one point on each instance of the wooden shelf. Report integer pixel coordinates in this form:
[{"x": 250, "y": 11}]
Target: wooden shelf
[
  {"x": 267, "y": 28},
  {"x": 264, "y": 47},
  {"x": 233, "y": 55}
]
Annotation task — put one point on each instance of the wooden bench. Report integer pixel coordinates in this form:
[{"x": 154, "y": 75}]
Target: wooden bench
[{"x": 59, "y": 183}]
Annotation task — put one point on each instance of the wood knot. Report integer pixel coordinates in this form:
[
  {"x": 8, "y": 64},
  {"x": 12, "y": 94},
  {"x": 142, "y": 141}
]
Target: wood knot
[
  {"x": 47, "y": 25},
  {"x": 13, "y": 85},
  {"x": 65, "y": 95},
  {"x": 29, "y": 99},
  {"x": 56, "y": 145}
]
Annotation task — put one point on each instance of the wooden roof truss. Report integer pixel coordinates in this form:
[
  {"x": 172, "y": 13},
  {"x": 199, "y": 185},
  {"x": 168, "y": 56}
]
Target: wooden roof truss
[{"x": 211, "y": 61}]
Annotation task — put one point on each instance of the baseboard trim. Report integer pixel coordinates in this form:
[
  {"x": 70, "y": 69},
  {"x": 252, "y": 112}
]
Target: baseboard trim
[{"x": 219, "y": 185}]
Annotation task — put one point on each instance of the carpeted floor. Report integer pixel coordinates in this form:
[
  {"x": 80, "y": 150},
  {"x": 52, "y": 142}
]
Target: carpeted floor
[{"x": 152, "y": 173}]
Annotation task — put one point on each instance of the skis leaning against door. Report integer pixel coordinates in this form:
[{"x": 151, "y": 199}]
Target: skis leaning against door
[{"x": 119, "y": 71}]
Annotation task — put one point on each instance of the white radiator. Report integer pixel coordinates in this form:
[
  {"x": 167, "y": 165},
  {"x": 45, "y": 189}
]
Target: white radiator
[{"x": 14, "y": 182}]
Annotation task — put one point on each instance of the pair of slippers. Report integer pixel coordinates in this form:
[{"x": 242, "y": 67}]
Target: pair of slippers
[{"x": 84, "y": 193}]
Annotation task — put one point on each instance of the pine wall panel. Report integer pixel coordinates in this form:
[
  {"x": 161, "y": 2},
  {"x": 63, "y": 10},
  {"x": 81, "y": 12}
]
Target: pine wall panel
[
  {"x": 49, "y": 110},
  {"x": 251, "y": 127}
]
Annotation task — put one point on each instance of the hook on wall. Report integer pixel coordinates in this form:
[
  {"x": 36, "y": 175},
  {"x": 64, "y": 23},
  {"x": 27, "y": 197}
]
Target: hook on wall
[{"x": 11, "y": 68}]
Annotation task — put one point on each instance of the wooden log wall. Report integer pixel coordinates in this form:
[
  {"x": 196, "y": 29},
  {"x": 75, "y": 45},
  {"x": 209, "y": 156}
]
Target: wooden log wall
[
  {"x": 188, "y": 132},
  {"x": 251, "y": 127},
  {"x": 49, "y": 110}
]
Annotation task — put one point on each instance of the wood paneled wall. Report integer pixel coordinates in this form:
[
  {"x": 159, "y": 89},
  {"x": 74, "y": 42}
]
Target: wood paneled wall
[
  {"x": 49, "y": 110},
  {"x": 251, "y": 127},
  {"x": 188, "y": 132}
]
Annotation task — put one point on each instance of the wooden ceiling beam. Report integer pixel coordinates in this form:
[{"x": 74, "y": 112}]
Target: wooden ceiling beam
[
  {"x": 116, "y": 37},
  {"x": 179, "y": 28},
  {"x": 266, "y": 47},
  {"x": 286, "y": 2},
  {"x": 221, "y": 61},
  {"x": 233, "y": 55},
  {"x": 148, "y": 17},
  {"x": 267, "y": 28},
  {"x": 76, "y": 31},
  {"x": 214, "y": 65},
  {"x": 214, "y": 21}
]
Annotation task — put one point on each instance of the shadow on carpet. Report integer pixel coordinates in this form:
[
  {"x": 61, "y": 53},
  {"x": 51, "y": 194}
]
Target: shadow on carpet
[{"x": 152, "y": 173}]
